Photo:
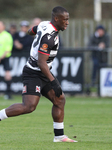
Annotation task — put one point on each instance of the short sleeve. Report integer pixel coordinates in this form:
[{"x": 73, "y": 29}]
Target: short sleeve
[
  {"x": 46, "y": 44},
  {"x": 34, "y": 29}
]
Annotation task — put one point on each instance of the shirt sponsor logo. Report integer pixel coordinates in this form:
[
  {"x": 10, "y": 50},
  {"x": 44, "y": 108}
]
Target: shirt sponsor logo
[
  {"x": 38, "y": 89},
  {"x": 24, "y": 89}
]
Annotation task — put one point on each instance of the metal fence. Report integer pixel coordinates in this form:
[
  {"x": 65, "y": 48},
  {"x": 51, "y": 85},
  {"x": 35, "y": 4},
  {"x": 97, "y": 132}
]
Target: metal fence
[{"x": 79, "y": 31}]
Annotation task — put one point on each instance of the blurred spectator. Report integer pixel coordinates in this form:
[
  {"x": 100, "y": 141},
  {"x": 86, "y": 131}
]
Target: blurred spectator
[
  {"x": 35, "y": 22},
  {"x": 12, "y": 29},
  {"x": 98, "y": 43},
  {"x": 6, "y": 43},
  {"x": 22, "y": 41}
]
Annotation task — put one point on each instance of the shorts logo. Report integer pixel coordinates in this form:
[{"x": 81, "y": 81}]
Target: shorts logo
[
  {"x": 24, "y": 89},
  {"x": 38, "y": 89}
]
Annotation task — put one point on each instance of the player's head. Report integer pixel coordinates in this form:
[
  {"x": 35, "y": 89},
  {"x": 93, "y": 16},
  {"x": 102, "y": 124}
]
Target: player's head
[
  {"x": 2, "y": 26},
  {"x": 60, "y": 17}
]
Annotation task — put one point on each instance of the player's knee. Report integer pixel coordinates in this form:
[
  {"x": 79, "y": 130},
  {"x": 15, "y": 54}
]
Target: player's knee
[
  {"x": 60, "y": 102},
  {"x": 63, "y": 100},
  {"x": 32, "y": 108},
  {"x": 29, "y": 109}
]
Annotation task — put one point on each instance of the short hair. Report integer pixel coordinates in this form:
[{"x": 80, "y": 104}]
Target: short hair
[{"x": 58, "y": 10}]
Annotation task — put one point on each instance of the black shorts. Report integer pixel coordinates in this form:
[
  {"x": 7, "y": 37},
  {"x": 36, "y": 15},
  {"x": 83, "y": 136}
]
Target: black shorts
[
  {"x": 5, "y": 63},
  {"x": 35, "y": 83}
]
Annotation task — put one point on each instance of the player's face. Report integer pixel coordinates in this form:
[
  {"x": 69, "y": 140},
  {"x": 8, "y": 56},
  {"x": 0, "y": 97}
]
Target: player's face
[{"x": 63, "y": 21}]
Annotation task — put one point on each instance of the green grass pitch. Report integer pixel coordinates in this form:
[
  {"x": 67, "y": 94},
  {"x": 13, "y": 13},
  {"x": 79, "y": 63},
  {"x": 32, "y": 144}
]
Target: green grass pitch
[{"x": 87, "y": 120}]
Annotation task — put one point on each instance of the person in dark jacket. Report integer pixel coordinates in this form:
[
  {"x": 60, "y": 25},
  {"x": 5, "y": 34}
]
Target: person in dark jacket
[
  {"x": 22, "y": 41},
  {"x": 98, "y": 43}
]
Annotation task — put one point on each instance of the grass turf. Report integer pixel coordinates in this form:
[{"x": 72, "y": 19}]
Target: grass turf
[{"x": 88, "y": 119}]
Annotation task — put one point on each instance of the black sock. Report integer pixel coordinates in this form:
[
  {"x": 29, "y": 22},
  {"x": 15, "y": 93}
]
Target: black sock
[
  {"x": 58, "y": 132},
  {"x": 8, "y": 91}
]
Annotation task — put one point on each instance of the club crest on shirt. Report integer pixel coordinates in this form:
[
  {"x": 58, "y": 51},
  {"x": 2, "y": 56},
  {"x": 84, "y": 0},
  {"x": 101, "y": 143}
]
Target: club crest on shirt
[
  {"x": 44, "y": 47},
  {"x": 24, "y": 89},
  {"x": 38, "y": 89}
]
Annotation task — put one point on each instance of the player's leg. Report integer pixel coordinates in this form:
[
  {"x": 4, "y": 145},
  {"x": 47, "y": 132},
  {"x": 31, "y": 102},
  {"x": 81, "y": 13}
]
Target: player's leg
[
  {"x": 58, "y": 106},
  {"x": 57, "y": 113},
  {"x": 8, "y": 80},
  {"x": 30, "y": 97},
  {"x": 28, "y": 105},
  {"x": 58, "y": 117},
  {"x": 58, "y": 102}
]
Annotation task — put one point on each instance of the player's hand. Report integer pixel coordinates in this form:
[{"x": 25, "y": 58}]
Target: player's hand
[{"x": 57, "y": 89}]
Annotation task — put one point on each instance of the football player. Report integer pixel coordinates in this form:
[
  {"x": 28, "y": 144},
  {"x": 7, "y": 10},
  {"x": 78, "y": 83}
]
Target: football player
[{"x": 37, "y": 77}]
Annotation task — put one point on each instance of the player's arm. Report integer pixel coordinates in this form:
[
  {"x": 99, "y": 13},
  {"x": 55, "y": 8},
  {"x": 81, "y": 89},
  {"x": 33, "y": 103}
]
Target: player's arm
[
  {"x": 32, "y": 31},
  {"x": 42, "y": 58},
  {"x": 46, "y": 46},
  {"x": 43, "y": 55}
]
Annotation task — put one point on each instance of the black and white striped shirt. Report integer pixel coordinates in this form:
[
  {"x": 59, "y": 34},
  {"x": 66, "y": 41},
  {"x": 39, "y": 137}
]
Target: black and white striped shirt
[{"x": 46, "y": 41}]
